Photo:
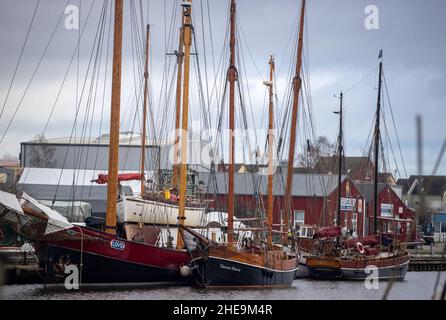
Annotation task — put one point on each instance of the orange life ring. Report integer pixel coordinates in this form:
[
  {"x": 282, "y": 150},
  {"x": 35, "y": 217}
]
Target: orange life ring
[{"x": 360, "y": 247}]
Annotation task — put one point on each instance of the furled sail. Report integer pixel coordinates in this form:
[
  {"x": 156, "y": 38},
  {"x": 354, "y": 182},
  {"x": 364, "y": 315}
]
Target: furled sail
[{"x": 103, "y": 178}]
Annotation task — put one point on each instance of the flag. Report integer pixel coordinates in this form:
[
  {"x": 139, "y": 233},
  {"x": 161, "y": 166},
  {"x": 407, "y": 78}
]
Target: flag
[{"x": 380, "y": 54}]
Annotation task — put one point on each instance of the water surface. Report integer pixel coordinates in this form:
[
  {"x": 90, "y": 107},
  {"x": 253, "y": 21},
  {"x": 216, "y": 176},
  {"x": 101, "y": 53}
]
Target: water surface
[{"x": 417, "y": 285}]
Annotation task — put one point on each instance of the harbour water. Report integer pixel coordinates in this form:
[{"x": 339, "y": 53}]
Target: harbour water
[{"x": 416, "y": 286}]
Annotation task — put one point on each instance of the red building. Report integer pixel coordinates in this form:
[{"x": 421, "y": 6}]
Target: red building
[
  {"x": 352, "y": 207},
  {"x": 313, "y": 202},
  {"x": 394, "y": 217}
]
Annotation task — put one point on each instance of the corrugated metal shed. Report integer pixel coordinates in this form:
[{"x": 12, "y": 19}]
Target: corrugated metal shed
[{"x": 50, "y": 184}]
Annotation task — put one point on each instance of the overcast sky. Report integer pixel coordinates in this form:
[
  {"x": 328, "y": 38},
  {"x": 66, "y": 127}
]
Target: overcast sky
[{"x": 341, "y": 52}]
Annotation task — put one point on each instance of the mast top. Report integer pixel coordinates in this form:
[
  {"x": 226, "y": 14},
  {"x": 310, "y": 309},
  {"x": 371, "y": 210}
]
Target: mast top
[{"x": 186, "y": 3}]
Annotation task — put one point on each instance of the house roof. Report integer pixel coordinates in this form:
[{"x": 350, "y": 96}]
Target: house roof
[
  {"x": 253, "y": 168},
  {"x": 404, "y": 183},
  {"x": 431, "y": 185},
  {"x": 125, "y": 138},
  {"x": 304, "y": 185},
  {"x": 353, "y": 165},
  {"x": 358, "y": 168},
  {"x": 367, "y": 189}
]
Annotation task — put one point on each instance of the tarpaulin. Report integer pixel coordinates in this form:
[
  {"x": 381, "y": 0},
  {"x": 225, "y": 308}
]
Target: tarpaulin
[
  {"x": 328, "y": 232},
  {"x": 103, "y": 178},
  {"x": 366, "y": 241}
]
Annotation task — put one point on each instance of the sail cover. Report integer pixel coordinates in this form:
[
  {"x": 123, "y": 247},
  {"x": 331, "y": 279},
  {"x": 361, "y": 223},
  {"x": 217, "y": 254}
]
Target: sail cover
[
  {"x": 56, "y": 221},
  {"x": 103, "y": 178},
  {"x": 328, "y": 232},
  {"x": 366, "y": 241},
  {"x": 10, "y": 211}
]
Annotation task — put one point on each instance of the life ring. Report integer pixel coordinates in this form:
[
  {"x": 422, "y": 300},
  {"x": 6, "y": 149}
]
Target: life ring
[{"x": 360, "y": 247}]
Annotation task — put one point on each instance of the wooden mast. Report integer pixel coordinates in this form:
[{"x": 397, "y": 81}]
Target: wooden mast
[
  {"x": 269, "y": 214},
  {"x": 340, "y": 150},
  {"x": 144, "y": 116},
  {"x": 178, "y": 107},
  {"x": 377, "y": 137},
  {"x": 187, "y": 12},
  {"x": 232, "y": 75},
  {"x": 297, "y": 84},
  {"x": 113, "y": 156}
]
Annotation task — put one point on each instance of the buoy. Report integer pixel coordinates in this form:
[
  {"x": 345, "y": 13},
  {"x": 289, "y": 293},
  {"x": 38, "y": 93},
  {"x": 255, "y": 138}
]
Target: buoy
[
  {"x": 185, "y": 271},
  {"x": 360, "y": 247}
]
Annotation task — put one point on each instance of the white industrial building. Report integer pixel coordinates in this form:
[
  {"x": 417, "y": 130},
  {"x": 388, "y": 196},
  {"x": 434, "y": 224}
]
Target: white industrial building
[{"x": 62, "y": 169}]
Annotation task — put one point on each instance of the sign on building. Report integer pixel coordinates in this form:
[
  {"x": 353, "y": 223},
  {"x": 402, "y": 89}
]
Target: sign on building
[
  {"x": 386, "y": 210},
  {"x": 360, "y": 205},
  {"x": 348, "y": 204}
]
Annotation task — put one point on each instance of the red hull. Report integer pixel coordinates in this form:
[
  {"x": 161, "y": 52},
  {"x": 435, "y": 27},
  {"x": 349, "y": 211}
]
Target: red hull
[{"x": 107, "y": 258}]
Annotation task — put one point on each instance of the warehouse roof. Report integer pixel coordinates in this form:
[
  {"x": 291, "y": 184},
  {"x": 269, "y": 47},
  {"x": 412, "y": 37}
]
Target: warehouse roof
[{"x": 304, "y": 185}]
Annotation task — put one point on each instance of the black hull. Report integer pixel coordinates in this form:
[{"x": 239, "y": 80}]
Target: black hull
[
  {"x": 99, "y": 269},
  {"x": 325, "y": 273},
  {"x": 397, "y": 272},
  {"x": 216, "y": 272}
]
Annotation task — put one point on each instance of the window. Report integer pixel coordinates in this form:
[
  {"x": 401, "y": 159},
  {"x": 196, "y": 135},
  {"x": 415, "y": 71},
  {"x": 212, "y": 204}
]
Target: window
[
  {"x": 310, "y": 232},
  {"x": 282, "y": 216},
  {"x": 355, "y": 223},
  {"x": 306, "y": 232},
  {"x": 299, "y": 217}
]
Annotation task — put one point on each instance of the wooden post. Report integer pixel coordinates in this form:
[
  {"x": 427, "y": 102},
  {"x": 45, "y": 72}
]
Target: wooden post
[
  {"x": 297, "y": 84},
  {"x": 113, "y": 156},
  {"x": 187, "y": 11},
  {"x": 144, "y": 116}
]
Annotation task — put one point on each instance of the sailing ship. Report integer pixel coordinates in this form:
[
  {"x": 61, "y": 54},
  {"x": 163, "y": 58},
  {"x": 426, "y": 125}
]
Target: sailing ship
[
  {"x": 230, "y": 265},
  {"x": 104, "y": 256},
  {"x": 153, "y": 208},
  {"x": 153, "y": 212},
  {"x": 356, "y": 258}
]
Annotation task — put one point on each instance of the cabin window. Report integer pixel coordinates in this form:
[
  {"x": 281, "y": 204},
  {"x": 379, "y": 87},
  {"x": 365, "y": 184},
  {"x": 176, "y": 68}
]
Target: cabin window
[
  {"x": 310, "y": 232},
  {"x": 299, "y": 217}
]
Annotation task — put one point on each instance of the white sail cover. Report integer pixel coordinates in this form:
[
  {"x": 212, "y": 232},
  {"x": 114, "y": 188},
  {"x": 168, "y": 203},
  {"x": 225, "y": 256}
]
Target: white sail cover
[
  {"x": 56, "y": 221},
  {"x": 9, "y": 201},
  {"x": 74, "y": 211},
  {"x": 11, "y": 211}
]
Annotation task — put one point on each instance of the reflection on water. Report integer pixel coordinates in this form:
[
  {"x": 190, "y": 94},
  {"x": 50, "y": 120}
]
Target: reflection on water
[{"x": 418, "y": 285}]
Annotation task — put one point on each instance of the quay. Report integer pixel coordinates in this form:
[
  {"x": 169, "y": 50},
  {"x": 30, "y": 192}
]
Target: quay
[
  {"x": 19, "y": 265},
  {"x": 22, "y": 274},
  {"x": 427, "y": 262},
  {"x": 428, "y": 258}
]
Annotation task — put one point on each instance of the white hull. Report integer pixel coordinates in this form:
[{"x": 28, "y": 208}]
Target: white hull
[{"x": 137, "y": 210}]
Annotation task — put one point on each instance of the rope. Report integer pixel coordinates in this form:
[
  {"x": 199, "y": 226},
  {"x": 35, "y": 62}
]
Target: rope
[
  {"x": 33, "y": 75},
  {"x": 394, "y": 125},
  {"x": 20, "y": 58}
]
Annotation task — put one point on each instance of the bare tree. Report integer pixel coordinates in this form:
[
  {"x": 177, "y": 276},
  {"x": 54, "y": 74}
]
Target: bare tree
[
  {"x": 41, "y": 154},
  {"x": 8, "y": 156},
  {"x": 322, "y": 147}
]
